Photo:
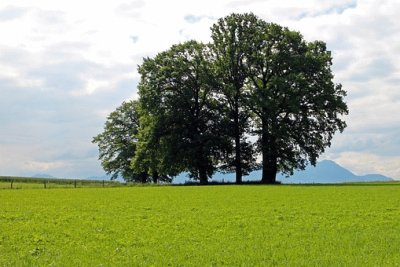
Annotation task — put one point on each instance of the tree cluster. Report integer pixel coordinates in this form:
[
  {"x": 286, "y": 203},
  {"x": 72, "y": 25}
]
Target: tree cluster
[{"x": 257, "y": 91}]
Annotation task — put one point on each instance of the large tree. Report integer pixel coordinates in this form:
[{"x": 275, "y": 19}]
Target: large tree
[
  {"x": 148, "y": 157},
  {"x": 199, "y": 104},
  {"x": 117, "y": 143},
  {"x": 177, "y": 93},
  {"x": 297, "y": 105},
  {"x": 232, "y": 43}
]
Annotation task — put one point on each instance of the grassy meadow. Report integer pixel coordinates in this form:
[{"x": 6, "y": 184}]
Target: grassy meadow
[
  {"x": 10, "y": 182},
  {"x": 248, "y": 225}
]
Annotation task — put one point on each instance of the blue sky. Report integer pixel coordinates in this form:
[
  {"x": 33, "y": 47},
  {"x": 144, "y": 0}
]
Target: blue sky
[{"x": 64, "y": 65}]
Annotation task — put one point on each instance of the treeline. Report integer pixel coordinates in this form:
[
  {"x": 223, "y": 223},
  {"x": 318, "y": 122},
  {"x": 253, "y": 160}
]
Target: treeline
[{"x": 257, "y": 92}]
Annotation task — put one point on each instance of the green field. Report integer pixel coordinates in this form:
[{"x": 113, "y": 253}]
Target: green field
[
  {"x": 10, "y": 182},
  {"x": 344, "y": 225}
]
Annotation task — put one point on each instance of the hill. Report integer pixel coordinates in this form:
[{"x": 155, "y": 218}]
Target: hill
[
  {"x": 325, "y": 171},
  {"x": 328, "y": 171}
]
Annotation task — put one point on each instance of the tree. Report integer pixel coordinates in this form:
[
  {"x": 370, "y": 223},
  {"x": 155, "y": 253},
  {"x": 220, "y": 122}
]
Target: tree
[
  {"x": 177, "y": 91},
  {"x": 297, "y": 106},
  {"x": 232, "y": 43},
  {"x": 148, "y": 157},
  {"x": 199, "y": 104},
  {"x": 117, "y": 143}
]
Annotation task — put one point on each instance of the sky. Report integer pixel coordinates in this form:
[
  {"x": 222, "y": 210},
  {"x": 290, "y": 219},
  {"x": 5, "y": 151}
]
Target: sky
[{"x": 66, "y": 64}]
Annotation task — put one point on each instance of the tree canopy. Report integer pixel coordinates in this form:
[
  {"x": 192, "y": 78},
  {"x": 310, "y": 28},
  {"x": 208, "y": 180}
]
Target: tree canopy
[
  {"x": 296, "y": 105},
  {"x": 258, "y": 90},
  {"x": 178, "y": 94},
  {"x": 117, "y": 143},
  {"x": 232, "y": 44}
]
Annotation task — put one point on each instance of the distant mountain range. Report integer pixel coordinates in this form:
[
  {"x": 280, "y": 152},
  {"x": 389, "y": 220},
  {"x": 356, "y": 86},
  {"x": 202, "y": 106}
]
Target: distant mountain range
[
  {"x": 325, "y": 171},
  {"x": 328, "y": 171}
]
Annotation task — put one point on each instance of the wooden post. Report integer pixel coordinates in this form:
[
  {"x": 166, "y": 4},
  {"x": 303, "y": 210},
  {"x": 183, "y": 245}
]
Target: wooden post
[
  {"x": 44, "y": 182},
  {"x": 75, "y": 183},
  {"x": 12, "y": 181},
  {"x": 103, "y": 183}
]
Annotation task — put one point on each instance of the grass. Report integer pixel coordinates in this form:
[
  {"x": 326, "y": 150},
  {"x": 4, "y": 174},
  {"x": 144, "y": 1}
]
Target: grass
[
  {"x": 10, "y": 182},
  {"x": 249, "y": 225}
]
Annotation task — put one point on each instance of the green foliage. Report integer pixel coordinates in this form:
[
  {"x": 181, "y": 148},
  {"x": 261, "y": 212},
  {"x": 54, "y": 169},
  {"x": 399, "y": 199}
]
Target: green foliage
[
  {"x": 200, "y": 104},
  {"x": 348, "y": 225},
  {"x": 181, "y": 115},
  {"x": 232, "y": 43},
  {"x": 148, "y": 157},
  {"x": 297, "y": 106},
  {"x": 117, "y": 143}
]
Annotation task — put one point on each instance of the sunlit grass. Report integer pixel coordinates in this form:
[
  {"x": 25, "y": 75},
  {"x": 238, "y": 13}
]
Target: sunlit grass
[
  {"x": 8, "y": 182},
  {"x": 202, "y": 226}
]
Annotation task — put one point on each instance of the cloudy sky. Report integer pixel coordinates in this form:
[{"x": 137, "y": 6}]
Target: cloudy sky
[{"x": 66, "y": 64}]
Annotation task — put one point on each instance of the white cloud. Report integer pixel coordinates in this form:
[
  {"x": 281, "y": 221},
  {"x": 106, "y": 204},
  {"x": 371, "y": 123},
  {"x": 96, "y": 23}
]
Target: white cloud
[
  {"x": 365, "y": 163},
  {"x": 65, "y": 64}
]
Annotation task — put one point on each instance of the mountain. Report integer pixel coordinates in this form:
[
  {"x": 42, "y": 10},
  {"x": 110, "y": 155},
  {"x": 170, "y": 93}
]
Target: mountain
[
  {"x": 325, "y": 171},
  {"x": 328, "y": 171}
]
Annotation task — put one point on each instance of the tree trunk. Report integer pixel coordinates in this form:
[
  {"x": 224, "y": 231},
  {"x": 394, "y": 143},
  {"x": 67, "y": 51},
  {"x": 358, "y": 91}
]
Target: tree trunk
[
  {"x": 269, "y": 157},
  {"x": 238, "y": 152},
  {"x": 269, "y": 170},
  {"x": 143, "y": 177},
  {"x": 203, "y": 176},
  {"x": 201, "y": 165},
  {"x": 155, "y": 177}
]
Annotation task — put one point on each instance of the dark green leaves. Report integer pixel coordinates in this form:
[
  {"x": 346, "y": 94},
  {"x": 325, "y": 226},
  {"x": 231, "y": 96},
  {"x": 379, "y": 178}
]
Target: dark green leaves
[
  {"x": 258, "y": 88},
  {"x": 117, "y": 144},
  {"x": 177, "y": 94}
]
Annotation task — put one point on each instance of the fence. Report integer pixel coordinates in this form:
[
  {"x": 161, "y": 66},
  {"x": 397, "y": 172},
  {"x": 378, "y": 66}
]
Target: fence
[{"x": 8, "y": 182}]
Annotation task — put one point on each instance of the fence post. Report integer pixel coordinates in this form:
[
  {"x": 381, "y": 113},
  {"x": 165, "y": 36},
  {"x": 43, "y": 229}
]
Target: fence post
[
  {"x": 75, "y": 183},
  {"x": 12, "y": 181},
  {"x": 44, "y": 183},
  {"x": 103, "y": 183}
]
